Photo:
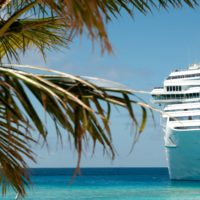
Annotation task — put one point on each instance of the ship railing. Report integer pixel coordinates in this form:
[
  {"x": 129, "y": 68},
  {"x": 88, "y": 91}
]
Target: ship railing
[{"x": 183, "y": 76}]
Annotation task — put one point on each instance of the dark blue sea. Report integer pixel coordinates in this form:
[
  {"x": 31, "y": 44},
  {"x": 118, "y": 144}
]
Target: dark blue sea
[{"x": 108, "y": 184}]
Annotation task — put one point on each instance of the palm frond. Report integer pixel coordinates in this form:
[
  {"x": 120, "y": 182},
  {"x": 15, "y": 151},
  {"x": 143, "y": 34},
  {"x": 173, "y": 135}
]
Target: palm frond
[
  {"x": 15, "y": 138},
  {"x": 73, "y": 103},
  {"x": 77, "y": 16},
  {"x": 6, "y": 24},
  {"x": 94, "y": 14},
  {"x": 43, "y": 34}
]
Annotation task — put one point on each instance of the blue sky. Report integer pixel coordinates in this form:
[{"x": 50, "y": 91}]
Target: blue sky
[{"x": 146, "y": 50}]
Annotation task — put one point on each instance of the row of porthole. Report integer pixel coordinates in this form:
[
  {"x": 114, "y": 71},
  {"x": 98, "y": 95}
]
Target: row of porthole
[{"x": 176, "y": 96}]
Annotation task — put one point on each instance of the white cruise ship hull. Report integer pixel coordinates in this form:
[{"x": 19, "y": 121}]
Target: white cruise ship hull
[
  {"x": 183, "y": 153},
  {"x": 180, "y": 98}
]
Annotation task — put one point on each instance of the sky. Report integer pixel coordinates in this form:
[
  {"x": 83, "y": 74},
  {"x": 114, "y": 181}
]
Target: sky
[{"x": 146, "y": 50}]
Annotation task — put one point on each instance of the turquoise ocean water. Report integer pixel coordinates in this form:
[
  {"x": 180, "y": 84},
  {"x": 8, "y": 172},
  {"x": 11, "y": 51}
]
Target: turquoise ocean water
[{"x": 108, "y": 184}]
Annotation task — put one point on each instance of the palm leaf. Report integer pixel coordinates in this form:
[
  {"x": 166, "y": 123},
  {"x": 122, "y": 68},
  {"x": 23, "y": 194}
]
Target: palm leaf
[
  {"x": 43, "y": 34},
  {"x": 15, "y": 139},
  {"x": 74, "y": 16},
  {"x": 73, "y": 103},
  {"x": 93, "y": 15}
]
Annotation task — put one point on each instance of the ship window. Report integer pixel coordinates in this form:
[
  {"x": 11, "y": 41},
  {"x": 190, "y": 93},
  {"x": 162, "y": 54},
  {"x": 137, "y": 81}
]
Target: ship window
[
  {"x": 179, "y": 88},
  {"x": 196, "y": 117},
  {"x": 184, "y": 118},
  {"x": 174, "y": 88},
  {"x": 155, "y": 97}
]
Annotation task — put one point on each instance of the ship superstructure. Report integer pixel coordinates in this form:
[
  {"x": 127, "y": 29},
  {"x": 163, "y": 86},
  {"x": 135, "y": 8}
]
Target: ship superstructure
[{"x": 180, "y": 97}]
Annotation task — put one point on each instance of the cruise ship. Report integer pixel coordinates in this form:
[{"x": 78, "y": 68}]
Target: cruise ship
[{"x": 180, "y": 100}]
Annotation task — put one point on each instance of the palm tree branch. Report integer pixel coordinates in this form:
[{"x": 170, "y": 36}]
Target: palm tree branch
[
  {"x": 73, "y": 103},
  {"x": 5, "y": 25},
  {"x": 44, "y": 34},
  {"x": 79, "y": 16}
]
